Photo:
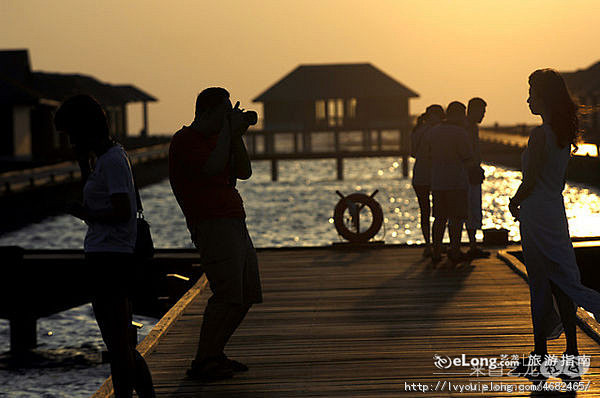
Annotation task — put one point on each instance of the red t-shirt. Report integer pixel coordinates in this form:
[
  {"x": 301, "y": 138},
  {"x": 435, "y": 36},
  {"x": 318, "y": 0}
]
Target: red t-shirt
[{"x": 200, "y": 196}]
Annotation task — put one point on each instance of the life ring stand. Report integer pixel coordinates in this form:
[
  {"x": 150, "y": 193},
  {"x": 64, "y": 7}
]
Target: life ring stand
[{"x": 357, "y": 201}]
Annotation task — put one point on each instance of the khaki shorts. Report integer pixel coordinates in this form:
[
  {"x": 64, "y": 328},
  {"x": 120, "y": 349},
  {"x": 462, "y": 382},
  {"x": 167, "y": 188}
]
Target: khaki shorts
[{"x": 228, "y": 259}]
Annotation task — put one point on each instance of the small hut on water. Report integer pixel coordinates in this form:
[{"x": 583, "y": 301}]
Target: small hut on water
[
  {"x": 336, "y": 96},
  {"x": 29, "y": 98}
]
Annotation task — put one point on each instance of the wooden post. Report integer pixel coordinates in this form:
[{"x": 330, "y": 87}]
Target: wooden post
[
  {"x": 336, "y": 141},
  {"x": 405, "y": 151},
  {"x": 366, "y": 140},
  {"x": 23, "y": 333},
  {"x": 274, "y": 171},
  {"x": 269, "y": 142},
  {"x": 295, "y": 141},
  {"x": 306, "y": 144},
  {"x": 145, "y": 116},
  {"x": 400, "y": 143},
  {"x": 340, "y": 168},
  {"x": 379, "y": 144}
]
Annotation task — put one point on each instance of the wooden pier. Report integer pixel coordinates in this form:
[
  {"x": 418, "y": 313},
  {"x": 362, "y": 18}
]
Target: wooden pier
[{"x": 359, "y": 322}]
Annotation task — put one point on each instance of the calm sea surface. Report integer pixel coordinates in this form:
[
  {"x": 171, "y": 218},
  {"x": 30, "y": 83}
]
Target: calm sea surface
[{"x": 294, "y": 211}]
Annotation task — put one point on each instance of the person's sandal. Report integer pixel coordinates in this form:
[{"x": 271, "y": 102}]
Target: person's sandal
[
  {"x": 566, "y": 378},
  {"x": 210, "y": 369},
  {"x": 236, "y": 366}
]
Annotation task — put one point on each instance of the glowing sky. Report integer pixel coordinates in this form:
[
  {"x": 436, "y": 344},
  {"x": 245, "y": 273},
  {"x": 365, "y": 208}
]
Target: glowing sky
[{"x": 444, "y": 50}]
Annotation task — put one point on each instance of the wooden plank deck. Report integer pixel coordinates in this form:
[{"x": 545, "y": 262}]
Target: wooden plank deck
[{"x": 341, "y": 322}]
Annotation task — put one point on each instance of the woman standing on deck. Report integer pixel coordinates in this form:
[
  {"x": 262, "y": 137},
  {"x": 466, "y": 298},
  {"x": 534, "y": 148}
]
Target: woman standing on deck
[
  {"x": 109, "y": 210},
  {"x": 539, "y": 206},
  {"x": 421, "y": 178}
]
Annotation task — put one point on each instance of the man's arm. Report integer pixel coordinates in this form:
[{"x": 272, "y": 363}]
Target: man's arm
[
  {"x": 241, "y": 161},
  {"x": 216, "y": 161},
  {"x": 243, "y": 169}
]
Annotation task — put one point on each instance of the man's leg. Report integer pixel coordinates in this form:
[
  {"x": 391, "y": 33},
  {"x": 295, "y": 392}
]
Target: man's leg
[
  {"x": 455, "y": 231},
  {"x": 439, "y": 226},
  {"x": 214, "y": 324},
  {"x": 472, "y": 238},
  {"x": 474, "y": 222},
  {"x": 221, "y": 246}
]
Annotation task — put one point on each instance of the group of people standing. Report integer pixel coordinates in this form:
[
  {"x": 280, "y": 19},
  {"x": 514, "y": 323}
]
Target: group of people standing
[{"x": 445, "y": 145}]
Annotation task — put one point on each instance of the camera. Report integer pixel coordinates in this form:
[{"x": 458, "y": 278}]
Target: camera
[{"x": 250, "y": 117}]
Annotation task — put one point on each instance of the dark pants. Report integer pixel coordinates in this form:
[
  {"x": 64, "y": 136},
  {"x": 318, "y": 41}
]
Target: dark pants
[
  {"x": 112, "y": 279},
  {"x": 229, "y": 260}
]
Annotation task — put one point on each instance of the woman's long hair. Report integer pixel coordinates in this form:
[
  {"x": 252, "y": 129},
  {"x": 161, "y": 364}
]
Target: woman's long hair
[
  {"x": 82, "y": 114},
  {"x": 551, "y": 88}
]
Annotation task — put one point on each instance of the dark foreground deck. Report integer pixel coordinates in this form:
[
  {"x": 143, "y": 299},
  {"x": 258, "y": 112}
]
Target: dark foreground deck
[{"x": 341, "y": 322}]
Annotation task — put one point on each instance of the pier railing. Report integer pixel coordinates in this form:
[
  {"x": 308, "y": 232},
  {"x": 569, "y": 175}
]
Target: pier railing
[{"x": 262, "y": 145}]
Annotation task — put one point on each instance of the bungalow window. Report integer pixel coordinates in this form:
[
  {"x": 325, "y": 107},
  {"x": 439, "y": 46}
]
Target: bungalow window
[
  {"x": 320, "y": 114},
  {"x": 351, "y": 108},
  {"x": 335, "y": 112}
]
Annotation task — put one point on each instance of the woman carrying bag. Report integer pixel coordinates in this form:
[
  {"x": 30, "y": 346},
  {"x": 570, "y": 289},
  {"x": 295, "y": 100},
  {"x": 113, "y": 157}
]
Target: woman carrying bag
[{"x": 109, "y": 209}]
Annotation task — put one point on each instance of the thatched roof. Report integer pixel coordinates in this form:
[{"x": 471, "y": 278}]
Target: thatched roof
[{"x": 310, "y": 82}]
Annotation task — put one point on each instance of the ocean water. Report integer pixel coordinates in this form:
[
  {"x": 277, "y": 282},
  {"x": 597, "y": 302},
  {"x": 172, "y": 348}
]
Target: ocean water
[{"x": 295, "y": 211}]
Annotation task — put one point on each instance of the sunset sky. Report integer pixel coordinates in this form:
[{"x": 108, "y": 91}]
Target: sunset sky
[{"x": 444, "y": 50}]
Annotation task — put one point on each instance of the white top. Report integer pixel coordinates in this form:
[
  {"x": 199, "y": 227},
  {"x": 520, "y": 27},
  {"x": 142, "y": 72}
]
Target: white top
[
  {"x": 112, "y": 174},
  {"x": 450, "y": 149}
]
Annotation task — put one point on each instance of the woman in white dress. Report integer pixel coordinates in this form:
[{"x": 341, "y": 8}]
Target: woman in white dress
[{"x": 538, "y": 205}]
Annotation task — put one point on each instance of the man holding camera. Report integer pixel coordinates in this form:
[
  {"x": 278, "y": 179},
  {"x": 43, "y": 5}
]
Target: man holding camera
[{"x": 205, "y": 159}]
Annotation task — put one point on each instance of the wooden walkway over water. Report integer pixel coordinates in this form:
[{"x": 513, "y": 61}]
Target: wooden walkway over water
[{"x": 341, "y": 322}]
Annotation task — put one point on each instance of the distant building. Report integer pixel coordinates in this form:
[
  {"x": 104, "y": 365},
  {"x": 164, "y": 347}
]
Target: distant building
[
  {"x": 28, "y": 100},
  {"x": 584, "y": 84},
  {"x": 336, "y": 97}
]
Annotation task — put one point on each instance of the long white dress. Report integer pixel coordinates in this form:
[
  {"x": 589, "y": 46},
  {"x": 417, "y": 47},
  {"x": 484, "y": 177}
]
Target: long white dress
[{"x": 547, "y": 247}]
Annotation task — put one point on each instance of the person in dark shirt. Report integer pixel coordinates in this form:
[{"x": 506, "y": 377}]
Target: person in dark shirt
[
  {"x": 475, "y": 113},
  {"x": 205, "y": 159}
]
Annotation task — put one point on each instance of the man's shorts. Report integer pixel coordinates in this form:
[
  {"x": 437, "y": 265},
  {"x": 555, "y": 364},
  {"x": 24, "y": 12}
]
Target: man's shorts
[
  {"x": 228, "y": 259},
  {"x": 474, "y": 221},
  {"x": 450, "y": 204}
]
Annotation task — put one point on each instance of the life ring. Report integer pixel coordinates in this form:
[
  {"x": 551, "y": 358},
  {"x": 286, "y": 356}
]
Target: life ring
[{"x": 360, "y": 200}]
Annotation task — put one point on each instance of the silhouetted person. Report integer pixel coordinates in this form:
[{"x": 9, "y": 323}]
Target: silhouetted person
[
  {"x": 451, "y": 154},
  {"x": 421, "y": 179},
  {"x": 109, "y": 209},
  {"x": 205, "y": 159},
  {"x": 475, "y": 113},
  {"x": 538, "y": 205}
]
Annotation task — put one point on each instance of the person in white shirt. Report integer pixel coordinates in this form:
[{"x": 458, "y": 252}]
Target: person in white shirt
[
  {"x": 451, "y": 154},
  {"x": 109, "y": 209}
]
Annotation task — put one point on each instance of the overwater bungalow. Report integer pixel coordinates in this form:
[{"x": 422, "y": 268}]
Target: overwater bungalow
[
  {"x": 336, "y": 96},
  {"x": 29, "y": 98}
]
